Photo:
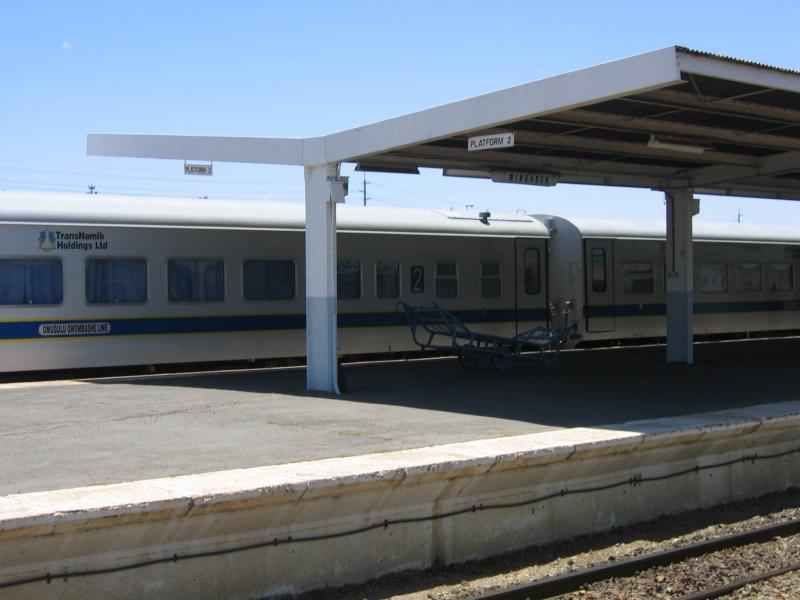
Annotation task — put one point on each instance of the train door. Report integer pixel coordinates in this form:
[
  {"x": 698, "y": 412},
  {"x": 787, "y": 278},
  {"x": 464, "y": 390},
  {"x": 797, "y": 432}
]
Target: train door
[
  {"x": 531, "y": 282},
  {"x": 599, "y": 311}
]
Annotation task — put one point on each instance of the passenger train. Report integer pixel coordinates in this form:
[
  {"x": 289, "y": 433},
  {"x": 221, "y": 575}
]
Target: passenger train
[{"x": 100, "y": 280}]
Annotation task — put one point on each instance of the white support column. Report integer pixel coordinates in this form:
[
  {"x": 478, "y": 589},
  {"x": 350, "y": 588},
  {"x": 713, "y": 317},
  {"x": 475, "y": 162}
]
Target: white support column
[
  {"x": 681, "y": 207},
  {"x": 322, "y": 370}
]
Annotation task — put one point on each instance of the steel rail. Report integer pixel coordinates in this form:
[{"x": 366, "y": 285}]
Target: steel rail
[
  {"x": 572, "y": 581},
  {"x": 723, "y": 590}
]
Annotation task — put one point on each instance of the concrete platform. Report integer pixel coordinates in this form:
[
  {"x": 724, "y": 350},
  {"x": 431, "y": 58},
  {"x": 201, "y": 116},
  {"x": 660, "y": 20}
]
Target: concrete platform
[
  {"x": 70, "y": 434},
  {"x": 605, "y": 438}
]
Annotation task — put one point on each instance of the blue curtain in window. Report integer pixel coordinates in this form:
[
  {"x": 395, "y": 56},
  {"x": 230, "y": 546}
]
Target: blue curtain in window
[
  {"x": 196, "y": 280},
  {"x": 387, "y": 279},
  {"x": 213, "y": 279},
  {"x": 269, "y": 280},
  {"x": 112, "y": 281},
  {"x": 31, "y": 281},
  {"x": 348, "y": 280}
]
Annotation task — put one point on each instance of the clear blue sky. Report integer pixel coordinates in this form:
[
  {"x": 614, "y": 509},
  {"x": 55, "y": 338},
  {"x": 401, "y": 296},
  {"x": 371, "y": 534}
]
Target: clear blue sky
[{"x": 304, "y": 68}]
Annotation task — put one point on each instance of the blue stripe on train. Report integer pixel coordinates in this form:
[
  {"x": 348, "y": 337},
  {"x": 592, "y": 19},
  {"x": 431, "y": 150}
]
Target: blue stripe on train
[
  {"x": 21, "y": 330},
  {"x": 240, "y": 323},
  {"x": 634, "y": 310}
]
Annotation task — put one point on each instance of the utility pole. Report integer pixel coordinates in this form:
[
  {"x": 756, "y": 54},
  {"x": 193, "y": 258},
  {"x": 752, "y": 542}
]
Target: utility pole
[
  {"x": 739, "y": 216},
  {"x": 364, "y": 189}
]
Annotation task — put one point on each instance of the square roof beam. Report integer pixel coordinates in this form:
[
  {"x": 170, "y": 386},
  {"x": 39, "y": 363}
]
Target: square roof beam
[
  {"x": 275, "y": 151},
  {"x": 637, "y": 74},
  {"x": 777, "y": 164}
]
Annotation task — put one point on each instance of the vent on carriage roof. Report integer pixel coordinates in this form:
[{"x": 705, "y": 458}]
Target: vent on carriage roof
[
  {"x": 466, "y": 216},
  {"x": 739, "y": 61}
]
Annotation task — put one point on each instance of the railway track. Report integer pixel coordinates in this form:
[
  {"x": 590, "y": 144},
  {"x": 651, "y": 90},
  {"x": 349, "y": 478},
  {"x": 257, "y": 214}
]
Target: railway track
[{"x": 572, "y": 582}]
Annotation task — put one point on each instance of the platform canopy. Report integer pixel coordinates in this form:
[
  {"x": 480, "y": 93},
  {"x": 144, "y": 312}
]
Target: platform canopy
[
  {"x": 718, "y": 125},
  {"x": 675, "y": 119},
  {"x": 671, "y": 118}
]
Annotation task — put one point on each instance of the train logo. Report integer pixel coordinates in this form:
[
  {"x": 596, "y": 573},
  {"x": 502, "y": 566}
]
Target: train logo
[{"x": 47, "y": 240}]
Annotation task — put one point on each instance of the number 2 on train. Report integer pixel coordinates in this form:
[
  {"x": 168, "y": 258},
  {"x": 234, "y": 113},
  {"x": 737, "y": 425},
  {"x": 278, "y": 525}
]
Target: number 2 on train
[{"x": 417, "y": 279}]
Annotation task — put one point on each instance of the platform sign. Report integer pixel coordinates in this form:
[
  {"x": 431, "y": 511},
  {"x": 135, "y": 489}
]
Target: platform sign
[
  {"x": 493, "y": 141},
  {"x": 525, "y": 178},
  {"x": 195, "y": 169}
]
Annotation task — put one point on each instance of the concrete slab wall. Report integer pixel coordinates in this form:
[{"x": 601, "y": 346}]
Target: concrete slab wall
[{"x": 258, "y": 532}]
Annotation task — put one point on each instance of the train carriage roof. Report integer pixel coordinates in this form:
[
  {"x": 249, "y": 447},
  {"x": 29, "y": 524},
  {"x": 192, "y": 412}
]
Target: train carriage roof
[
  {"x": 702, "y": 231},
  {"x": 83, "y": 209}
]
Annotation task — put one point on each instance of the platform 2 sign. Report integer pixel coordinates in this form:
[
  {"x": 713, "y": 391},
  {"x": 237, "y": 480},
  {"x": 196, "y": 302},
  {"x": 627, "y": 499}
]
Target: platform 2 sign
[
  {"x": 493, "y": 141},
  {"x": 195, "y": 169}
]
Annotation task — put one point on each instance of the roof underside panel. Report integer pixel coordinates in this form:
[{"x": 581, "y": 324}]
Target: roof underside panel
[{"x": 717, "y": 135}]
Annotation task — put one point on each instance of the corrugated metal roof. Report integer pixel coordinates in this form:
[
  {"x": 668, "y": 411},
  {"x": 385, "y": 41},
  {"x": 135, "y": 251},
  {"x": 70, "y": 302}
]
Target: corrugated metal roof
[{"x": 738, "y": 61}]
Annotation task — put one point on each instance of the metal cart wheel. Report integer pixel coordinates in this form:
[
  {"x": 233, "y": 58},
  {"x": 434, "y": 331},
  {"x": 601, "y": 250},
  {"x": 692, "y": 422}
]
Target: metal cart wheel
[
  {"x": 467, "y": 358},
  {"x": 502, "y": 362}
]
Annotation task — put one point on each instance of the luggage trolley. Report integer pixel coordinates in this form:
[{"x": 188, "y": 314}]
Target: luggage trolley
[{"x": 434, "y": 328}]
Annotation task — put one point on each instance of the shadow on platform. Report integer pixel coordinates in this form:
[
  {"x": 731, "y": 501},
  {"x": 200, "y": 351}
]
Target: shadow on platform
[{"x": 584, "y": 388}]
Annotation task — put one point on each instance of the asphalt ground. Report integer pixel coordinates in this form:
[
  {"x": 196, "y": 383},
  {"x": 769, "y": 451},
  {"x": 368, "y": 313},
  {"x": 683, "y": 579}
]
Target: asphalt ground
[{"x": 74, "y": 433}]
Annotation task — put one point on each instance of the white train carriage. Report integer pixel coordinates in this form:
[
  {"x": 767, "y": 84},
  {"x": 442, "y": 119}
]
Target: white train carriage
[
  {"x": 615, "y": 271},
  {"x": 91, "y": 281}
]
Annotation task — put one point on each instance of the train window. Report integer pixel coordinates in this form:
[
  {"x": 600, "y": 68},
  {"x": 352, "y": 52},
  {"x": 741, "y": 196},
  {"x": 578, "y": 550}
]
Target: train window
[
  {"x": 713, "y": 277},
  {"x": 446, "y": 280},
  {"x": 268, "y": 279},
  {"x": 748, "y": 277},
  {"x": 196, "y": 280},
  {"x": 116, "y": 280},
  {"x": 780, "y": 277},
  {"x": 533, "y": 280},
  {"x": 599, "y": 270},
  {"x": 348, "y": 279},
  {"x": 637, "y": 278},
  {"x": 387, "y": 279},
  {"x": 31, "y": 281},
  {"x": 490, "y": 280}
]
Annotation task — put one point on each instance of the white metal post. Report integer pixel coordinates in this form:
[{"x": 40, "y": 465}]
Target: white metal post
[
  {"x": 322, "y": 369},
  {"x": 681, "y": 207}
]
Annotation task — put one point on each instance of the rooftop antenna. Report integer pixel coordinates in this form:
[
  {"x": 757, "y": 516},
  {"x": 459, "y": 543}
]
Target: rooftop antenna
[{"x": 364, "y": 189}]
